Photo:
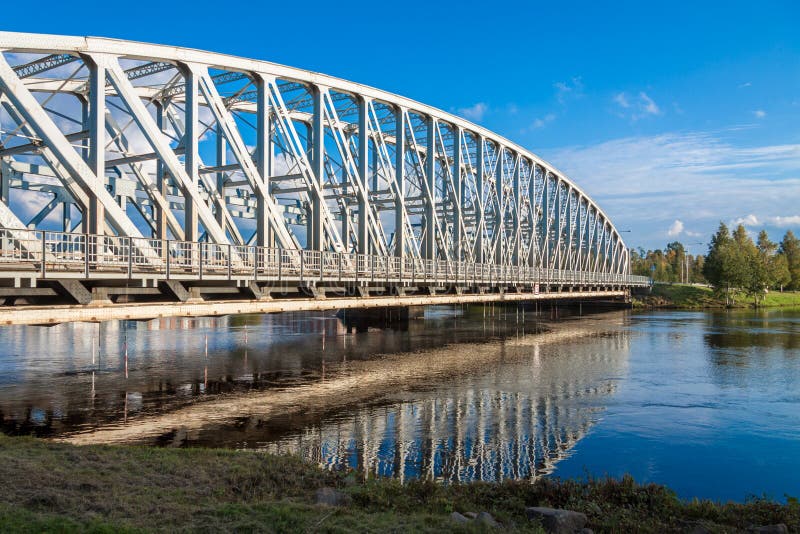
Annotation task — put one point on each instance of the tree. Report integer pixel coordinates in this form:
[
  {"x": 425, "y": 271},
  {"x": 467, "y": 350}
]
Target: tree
[
  {"x": 732, "y": 263},
  {"x": 697, "y": 269},
  {"x": 747, "y": 271},
  {"x": 716, "y": 268},
  {"x": 765, "y": 246},
  {"x": 673, "y": 264},
  {"x": 780, "y": 270},
  {"x": 766, "y": 259},
  {"x": 676, "y": 257},
  {"x": 638, "y": 262},
  {"x": 790, "y": 249},
  {"x": 776, "y": 263}
]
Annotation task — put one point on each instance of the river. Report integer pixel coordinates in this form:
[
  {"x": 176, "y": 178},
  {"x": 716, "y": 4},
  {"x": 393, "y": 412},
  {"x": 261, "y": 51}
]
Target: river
[{"x": 705, "y": 402}]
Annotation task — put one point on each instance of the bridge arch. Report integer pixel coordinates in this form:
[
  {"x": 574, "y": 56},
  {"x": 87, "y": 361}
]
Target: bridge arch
[{"x": 105, "y": 136}]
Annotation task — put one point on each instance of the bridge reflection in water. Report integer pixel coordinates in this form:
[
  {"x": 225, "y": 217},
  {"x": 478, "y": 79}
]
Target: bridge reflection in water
[
  {"x": 516, "y": 420},
  {"x": 483, "y": 394}
]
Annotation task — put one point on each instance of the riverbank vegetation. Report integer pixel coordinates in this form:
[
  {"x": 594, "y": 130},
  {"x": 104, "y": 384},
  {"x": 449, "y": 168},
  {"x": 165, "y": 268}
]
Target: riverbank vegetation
[
  {"x": 735, "y": 267},
  {"x": 65, "y": 488},
  {"x": 673, "y": 264},
  {"x": 685, "y": 296},
  {"x": 735, "y": 263}
]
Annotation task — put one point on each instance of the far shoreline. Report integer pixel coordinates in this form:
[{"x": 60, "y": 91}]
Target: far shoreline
[{"x": 674, "y": 296}]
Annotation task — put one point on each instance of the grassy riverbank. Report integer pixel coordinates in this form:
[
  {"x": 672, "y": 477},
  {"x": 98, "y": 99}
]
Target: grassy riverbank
[
  {"x": 697, "y": 297},
  {"x": 58, "y": 487}
]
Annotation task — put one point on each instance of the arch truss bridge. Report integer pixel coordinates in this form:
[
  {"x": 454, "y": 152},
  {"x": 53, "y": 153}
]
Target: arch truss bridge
[{"x": 188, "y": 173}]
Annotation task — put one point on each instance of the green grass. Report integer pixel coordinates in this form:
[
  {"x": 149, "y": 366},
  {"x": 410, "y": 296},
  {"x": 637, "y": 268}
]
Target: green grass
[
  {"x": 679, "y": 296},
  {"x": 54, "y": 487},
  {"x": 696, "y": 297},
  {"x": 778, "y": 299}
]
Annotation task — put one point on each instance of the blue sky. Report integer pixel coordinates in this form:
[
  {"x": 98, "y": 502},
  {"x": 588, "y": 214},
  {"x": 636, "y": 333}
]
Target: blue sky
[{"x": 673, "y": 116}]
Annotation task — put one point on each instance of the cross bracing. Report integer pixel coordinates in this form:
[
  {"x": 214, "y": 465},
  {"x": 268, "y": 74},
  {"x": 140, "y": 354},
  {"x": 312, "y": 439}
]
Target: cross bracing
[{"x": 107, "y": 137}]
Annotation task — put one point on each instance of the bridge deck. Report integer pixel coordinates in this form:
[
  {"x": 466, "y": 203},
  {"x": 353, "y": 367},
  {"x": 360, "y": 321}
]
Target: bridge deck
[
  {"x": 144, "y": 311},
  {"x": 43, "y": 273}
]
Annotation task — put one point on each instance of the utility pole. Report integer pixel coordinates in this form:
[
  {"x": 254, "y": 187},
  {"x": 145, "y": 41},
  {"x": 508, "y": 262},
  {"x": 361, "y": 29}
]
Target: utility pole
[{"x": 686, "y": 257}]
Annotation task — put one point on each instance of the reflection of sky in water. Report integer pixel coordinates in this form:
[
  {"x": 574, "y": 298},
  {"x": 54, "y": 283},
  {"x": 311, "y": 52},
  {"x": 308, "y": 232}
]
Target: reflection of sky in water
[
  {"x": 711, "y": 406},
  {"x": 705, "y": 402}
]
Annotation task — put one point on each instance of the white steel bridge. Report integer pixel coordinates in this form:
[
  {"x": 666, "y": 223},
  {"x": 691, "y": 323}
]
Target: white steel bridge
[{"x": 133, "y": 171}]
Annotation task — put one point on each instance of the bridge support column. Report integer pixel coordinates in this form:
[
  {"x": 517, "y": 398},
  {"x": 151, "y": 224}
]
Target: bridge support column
[
  {"x": 177, "y": 289},
  {"x": 399, "y": 170},
  {"x": 76, "y": 290},
  {"x": 100, "y": 296},
  {"x": 363, "y": 172},
  {"x": 161, "y": 214},
  {"x": 264, "y": 163},
  {"x": 479, "y": 223},
  {"x": 195, "y": 294},
  {"x": 97, "y": 145},
  {"x": 255, "y": 291},
  {"x": 459, "y": 200},
  {"x": 192, "y": 160},
  {"x": 356, "y": 290},
  {"x": 312, "y": 291},
  {"x": 499, "y": 223},
  {"x": 429, "y": 243},
  {"x": 315, "y": 240}
]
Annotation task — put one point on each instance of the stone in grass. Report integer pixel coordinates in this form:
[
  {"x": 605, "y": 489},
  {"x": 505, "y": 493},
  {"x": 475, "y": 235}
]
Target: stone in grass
[
  {"x": 487, "y": 519},
  {"x": 332, "y": 497},
  {"x": 556, "y": 521},
  {"x": 458, "y": 518},
  {"x": 780, "y": 528},
  {"x": 484, "y": 518},
  {"x": 694, "y": 527}
]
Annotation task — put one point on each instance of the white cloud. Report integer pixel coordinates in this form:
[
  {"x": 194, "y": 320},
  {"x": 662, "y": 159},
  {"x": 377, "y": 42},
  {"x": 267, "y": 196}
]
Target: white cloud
[
  {"x": 745, "y": 84},
  {"x": 636, "y": 107},
  {"x": 748, "y": 220},
  {"x": 760, "y": 113},
  {"x": 541, "y": 122},
  {"x": 648, "y": 105},
  {"x": 282, "y": 165},
  {"x": 783, "y": 222},
  {"x": 675, "y": 228},
  {"x": 475, "y": 112},
  {"x": 622, "y": 100},
  {"x": 772, "y": 220},
  {"x": 777, "y": 221},
  {"x": 644, "y": 182},
  {"x": 678, "y": 228},
  {"x": 569, "y": 89}
]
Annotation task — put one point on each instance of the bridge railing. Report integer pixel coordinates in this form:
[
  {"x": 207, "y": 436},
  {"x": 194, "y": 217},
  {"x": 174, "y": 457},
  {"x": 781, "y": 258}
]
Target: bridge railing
[{"x": 50, "y": 254}]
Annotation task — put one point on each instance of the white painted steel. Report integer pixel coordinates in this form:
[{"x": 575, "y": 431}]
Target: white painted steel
[
  {"x": 61, "y": 255},
  {"x": 339, "y": 179}
]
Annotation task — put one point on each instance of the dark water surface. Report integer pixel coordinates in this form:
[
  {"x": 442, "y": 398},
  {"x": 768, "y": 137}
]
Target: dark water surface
[{"x": 707, "y": 403}]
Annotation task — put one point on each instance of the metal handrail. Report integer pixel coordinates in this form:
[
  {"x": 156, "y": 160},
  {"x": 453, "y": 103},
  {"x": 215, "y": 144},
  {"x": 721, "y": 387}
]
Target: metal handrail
[{"x": 53, "y": 252}]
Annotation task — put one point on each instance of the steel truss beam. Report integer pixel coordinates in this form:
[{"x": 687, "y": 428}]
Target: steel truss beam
[{"x": 296, "y": 159}]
